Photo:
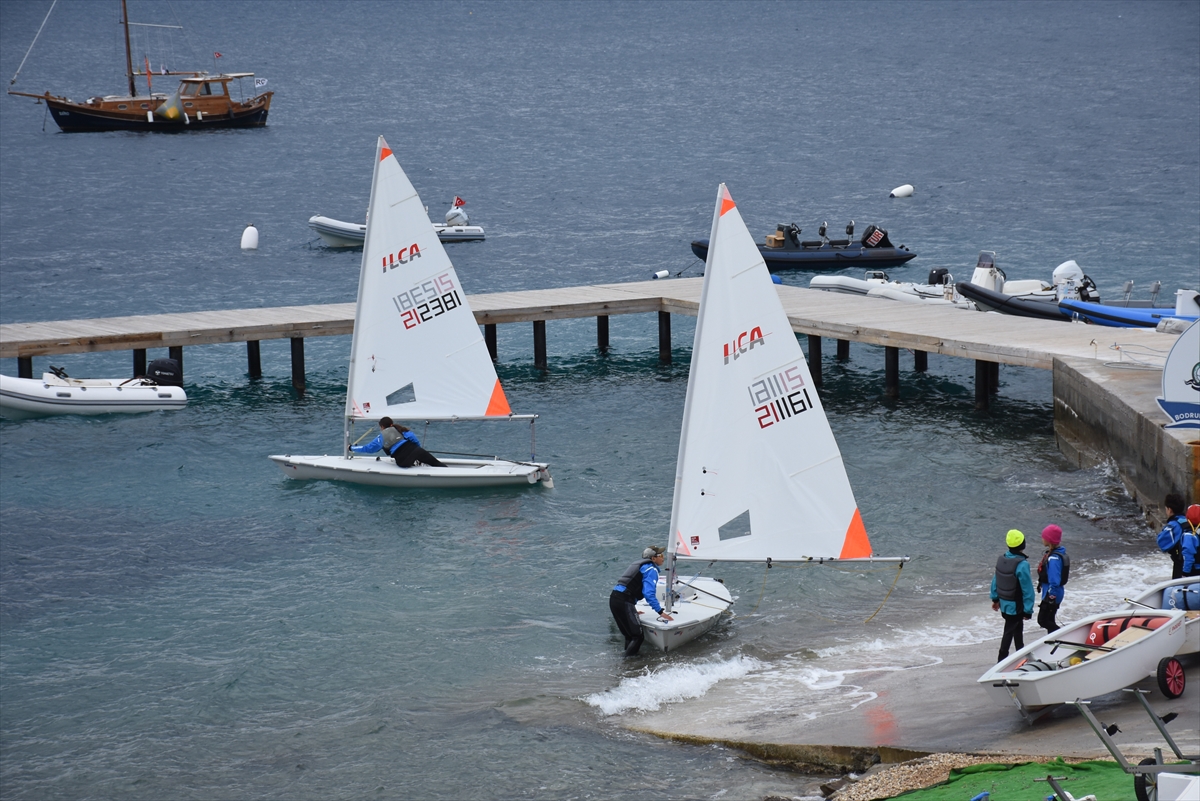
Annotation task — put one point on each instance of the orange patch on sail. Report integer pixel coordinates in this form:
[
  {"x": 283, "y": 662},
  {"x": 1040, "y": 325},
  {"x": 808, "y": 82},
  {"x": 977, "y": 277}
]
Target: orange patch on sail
[
  {"x": 726, "y": 201},
  {"x": 856, "y": 544},
  {"x": 682, "y": 548},
  {"x": 383, "y": 154},
  {"x": 498, "y": 405}
]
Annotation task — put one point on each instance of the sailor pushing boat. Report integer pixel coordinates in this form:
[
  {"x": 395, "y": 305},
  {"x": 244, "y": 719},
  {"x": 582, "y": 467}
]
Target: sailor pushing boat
[{"x": 639, "y": 581}]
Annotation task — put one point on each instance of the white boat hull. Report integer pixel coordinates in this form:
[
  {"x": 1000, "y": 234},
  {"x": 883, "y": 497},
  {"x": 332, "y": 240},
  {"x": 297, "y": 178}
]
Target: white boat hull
[
  {"x": 383, "y": 472},
  {"x": 1094, "y": 672},
  {"x": 339, "y": 234},
  {"x": 1156, "y": 597},
  {"x": 30, "y": 397},
  {"x": 702, "y": 602}
]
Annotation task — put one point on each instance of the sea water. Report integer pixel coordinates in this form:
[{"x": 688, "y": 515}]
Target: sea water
[{"x": 178, "y": 619}]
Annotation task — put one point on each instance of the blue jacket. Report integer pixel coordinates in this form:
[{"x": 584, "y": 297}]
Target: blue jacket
[
  {"x": 1172, "y": 534},
  {"x": 1026, "y": 583},
  {"x": 376, "y": 445},
  {"x": 1053, "y": 584},
  {"x": 649, "y": 586},
  {"x": 1191, "y": 544}
]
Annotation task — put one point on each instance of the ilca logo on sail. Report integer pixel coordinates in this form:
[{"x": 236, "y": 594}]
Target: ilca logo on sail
[{"x": 403, "y": 256}]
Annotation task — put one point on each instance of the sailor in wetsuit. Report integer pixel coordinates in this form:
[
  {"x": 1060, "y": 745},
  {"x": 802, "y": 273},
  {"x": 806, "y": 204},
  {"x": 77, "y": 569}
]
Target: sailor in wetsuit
[
  {"x": 400, "y": 443},
  {"x": 638, "y": 582}
]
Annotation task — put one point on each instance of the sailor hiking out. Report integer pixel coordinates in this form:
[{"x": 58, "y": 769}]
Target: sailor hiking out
[
  {"x": 1012, "y": 592},
  {"x": 400, "y": 443},
  {"x": 639, "y": 581}
]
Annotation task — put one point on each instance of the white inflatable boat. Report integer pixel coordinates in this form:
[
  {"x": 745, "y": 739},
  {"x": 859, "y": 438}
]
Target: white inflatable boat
[
  {"x": 339, "y": 234},
  {"x": 60, "y": 394}
]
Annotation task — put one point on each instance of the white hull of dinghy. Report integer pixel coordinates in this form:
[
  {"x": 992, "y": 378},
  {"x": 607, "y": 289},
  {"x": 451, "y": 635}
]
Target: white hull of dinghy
[
  {"x": 339, "y": 234},
  {"x": 29, "y": 397},
  {"x": 380, "y": 472},
  {"x": 702, "y": 602},
  {"x": 1134, "y": 655},
  {"x": 1156, "y": 598}
]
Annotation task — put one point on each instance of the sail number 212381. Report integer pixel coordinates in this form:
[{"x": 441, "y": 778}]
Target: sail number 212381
[{"x": 427, "y": 300}]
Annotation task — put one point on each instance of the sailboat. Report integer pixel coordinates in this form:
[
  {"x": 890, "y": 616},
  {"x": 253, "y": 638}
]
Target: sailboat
[
  {"x": 759, "y": 477},
  {"x": 417, "y": 353},
  {"x": 200, "y": 101}
]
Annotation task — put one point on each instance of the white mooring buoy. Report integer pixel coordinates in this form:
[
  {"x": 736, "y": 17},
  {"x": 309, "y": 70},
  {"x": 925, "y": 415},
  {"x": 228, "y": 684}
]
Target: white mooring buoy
[
  {"x": 902, "y": 191},
  {"x": 250, "y": 238}
]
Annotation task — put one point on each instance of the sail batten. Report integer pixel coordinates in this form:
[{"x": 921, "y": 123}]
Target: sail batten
[
  {"x": 413, "y": 326},
  {"x": 759, "y": 474}
]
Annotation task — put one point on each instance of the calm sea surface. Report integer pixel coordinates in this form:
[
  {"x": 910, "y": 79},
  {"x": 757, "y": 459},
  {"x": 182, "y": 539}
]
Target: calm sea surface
[{"x": 179, "y": 620}]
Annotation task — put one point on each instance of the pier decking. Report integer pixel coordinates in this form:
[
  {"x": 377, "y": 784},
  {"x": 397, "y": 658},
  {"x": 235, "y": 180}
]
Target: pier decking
[
  {"x": 988, "y": 337},
  {"x": 1102, "y": 410}
]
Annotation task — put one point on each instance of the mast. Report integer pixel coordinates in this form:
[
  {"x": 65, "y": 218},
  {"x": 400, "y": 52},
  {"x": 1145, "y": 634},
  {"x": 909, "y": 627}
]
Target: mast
[
  {"x": 673, "y": 534},
  {"x": 128, "y": 53}
]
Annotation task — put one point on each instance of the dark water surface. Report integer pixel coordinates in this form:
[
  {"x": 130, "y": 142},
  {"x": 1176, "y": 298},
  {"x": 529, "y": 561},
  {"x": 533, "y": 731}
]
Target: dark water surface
[{"x": 179, "y": 620}]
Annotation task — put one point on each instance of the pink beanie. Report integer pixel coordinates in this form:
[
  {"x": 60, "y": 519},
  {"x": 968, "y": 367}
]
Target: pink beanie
[{"x": 1052, "y": 534}]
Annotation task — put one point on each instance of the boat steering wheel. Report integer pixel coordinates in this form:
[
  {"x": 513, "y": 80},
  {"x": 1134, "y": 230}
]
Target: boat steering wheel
[{"x": 58, "y": 371}]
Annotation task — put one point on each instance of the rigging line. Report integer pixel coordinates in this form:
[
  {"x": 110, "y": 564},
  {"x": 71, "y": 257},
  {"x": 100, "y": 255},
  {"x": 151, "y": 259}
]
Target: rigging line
[
  {"x": 899, "y": 567},
  {"x": 31, "y": 44}
]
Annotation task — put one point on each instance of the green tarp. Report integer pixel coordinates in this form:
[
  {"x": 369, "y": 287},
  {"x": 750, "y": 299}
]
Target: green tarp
[{"x": 1105, "y": 780}]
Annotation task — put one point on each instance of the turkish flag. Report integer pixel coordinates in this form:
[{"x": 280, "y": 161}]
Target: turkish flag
[{"x": 458, "y": 201}]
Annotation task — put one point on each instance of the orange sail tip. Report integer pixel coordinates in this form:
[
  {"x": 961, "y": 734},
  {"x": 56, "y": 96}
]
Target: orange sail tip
[
  {"x": 726, "y": 201},
  {"x": 856, "y": 544},
  {"x": 498, "y": 405},
  {"x": 682, "y": 546},
  {"x": 383, "y": 154}
]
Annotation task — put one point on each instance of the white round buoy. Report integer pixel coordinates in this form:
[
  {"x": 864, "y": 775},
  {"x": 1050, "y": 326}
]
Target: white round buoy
[
  {"x": 250, "y": 238},
  {"x": 662, "y": 273},
  {"x": 902, "y": 191}
]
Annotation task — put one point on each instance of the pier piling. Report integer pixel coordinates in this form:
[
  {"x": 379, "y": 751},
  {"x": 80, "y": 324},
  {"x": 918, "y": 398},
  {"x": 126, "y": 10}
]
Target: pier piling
[
  {"x": 891, "y": 371},
  {"x": 489, "y": 338},
  {"x": 298, "y": 382},
  {"x": 176, "y": 353},
  {"x": 253, "y": 358},
  {"x": 539, "y": 344},
  {"x": 139, "y": 362},
  {"x": 814, "y": 359},
  {"x": 602, "y": 333},
  {"x": 843, "y": 350},
  {"x": 24, "y": 367},
  {"x": 920, "y": 361},
  {"x": 664, "y": 337}
]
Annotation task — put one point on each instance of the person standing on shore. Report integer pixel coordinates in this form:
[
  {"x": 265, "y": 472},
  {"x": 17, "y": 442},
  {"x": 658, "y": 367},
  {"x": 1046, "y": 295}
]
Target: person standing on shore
[
  {"x": 639, "y": 581},
  {"x": 1170, "y": 539},
  {"x": 1012, "y": 592},
  {"x": 1053, "y": 572},
  {"x": 1190, "y": 546}
]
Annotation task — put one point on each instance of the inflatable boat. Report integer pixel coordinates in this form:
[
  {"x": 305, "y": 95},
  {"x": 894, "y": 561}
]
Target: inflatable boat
[
  {"x": 339, "y": 234},
  {"x": 57, "y": 393},
  {"x": 1187, "y": 308},
  {"x": 785, "y": 250}
]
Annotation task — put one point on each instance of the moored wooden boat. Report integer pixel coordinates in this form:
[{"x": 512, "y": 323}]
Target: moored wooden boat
[{"x": 200, "y": 101}]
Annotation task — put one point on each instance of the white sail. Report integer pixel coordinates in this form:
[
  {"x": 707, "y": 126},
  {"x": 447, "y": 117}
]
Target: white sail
[
  {"x": 417, "y": 351},
  {"x": 759, "y": 474}
]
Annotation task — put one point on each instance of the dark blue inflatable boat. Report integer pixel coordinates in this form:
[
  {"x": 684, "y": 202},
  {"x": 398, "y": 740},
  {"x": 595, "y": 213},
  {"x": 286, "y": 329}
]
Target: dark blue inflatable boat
[{"x": 785, "y": 250}]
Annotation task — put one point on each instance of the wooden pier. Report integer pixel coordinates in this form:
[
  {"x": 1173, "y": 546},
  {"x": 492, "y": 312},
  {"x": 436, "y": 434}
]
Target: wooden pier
[
  {"x": 989, "y": 339},
  {"x": 1102, "y": 410}
]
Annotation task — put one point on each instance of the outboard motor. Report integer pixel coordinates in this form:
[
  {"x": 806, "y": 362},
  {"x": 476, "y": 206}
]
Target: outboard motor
[
  {"x": 457, "y": 216},
  {"x": 938, "y": 276},
  {"x": 165, "y": 373},
  {"x": 875, "y": 237},
  {"x": 1072, "y": 284},
  {"x": 987, "y": 274}
]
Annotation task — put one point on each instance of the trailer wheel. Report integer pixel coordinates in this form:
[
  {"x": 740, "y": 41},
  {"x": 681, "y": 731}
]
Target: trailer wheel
[
  {"x": 1145, "y": 785},
  {"x": 1171, "y": 678}
]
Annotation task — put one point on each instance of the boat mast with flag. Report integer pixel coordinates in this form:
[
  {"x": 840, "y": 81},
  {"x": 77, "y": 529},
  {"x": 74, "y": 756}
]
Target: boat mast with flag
[
  {"x": 417, "y": 353},
  {"x": 199, "y": 101},
  {"x": 759, "y": 476}
]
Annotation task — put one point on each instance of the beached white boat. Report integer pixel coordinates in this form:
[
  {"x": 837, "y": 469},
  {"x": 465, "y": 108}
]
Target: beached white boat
[
  {"x": 339, "y": 234},
  {"x": 1096, "y": 655},
  {"x": 61, "y": 394},
  {"x": 759, "y": 476},
  {"x": 1182, "y": 593},
  {"x": 417, "y": 353}
]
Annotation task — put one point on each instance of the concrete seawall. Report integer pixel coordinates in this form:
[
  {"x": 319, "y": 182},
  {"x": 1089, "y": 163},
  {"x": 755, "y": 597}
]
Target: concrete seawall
[{"x": 1106, "y": 411}]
